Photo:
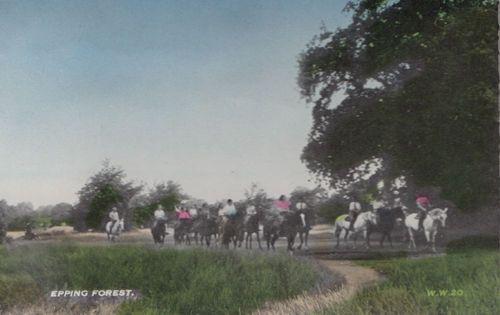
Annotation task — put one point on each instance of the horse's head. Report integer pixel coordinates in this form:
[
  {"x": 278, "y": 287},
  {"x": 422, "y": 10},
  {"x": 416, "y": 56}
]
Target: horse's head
[
  {"x": 439, "y": 215},
  {"x": 121, "y": 224},
  {"x": 372, "y": 217},
  {"x": 302, "y": 219}
]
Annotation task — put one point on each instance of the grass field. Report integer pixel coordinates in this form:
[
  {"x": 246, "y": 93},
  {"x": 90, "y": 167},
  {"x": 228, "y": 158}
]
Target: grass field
[
  {"x": 465, "y": 281},
  {"x": 171, "y": 281}
]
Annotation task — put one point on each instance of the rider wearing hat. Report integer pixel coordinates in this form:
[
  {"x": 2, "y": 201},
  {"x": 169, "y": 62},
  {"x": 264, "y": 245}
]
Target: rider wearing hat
[{"x": 423, "y": 205}]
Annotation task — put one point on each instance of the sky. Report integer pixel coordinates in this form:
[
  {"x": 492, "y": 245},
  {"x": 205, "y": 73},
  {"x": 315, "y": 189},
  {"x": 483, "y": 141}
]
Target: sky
[{"x": 203, "y": 93}]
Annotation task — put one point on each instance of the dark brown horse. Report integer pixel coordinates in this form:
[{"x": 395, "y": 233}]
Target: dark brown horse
[
  {"x": 250, "y": 227},
  {"x": 288, "y": 226},
  {"x": 386, "y": 221},
  {"x": 181, "y": 231},
  {"x": 158, "y": 230},
  {"x": 206, "y": 228}
]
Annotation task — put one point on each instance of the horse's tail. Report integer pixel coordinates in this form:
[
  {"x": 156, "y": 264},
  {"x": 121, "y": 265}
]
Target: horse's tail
[{"x": 405, "y": 211}]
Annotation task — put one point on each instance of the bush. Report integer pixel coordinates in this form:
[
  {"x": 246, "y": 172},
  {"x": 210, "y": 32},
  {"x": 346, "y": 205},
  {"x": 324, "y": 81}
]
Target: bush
[
  {"x": 17, "y": 290},
  {"x": 173, "y": 281}
]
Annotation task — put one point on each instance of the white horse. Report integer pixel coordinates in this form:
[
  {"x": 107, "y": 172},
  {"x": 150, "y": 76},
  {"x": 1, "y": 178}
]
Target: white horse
[
  {"x": 363, "y": 221},
  {"x": 431, "y": 222},
  {"x": 117, "y": 228}
]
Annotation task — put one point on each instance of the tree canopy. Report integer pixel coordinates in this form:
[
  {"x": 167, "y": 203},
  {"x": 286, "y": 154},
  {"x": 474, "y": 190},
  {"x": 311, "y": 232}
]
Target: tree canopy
[
  {"x": 167, "y": 195},
  {"x": 105, "y": 189},
  {"x": 418, "y": 87}
]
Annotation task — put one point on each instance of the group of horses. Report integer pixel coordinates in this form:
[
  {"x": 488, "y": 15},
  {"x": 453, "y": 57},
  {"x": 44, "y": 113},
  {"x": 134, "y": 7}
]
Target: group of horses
[
  {"x": 242, "y": 227},
  {"x": 383, "y": 221},
  {"x": 205, "y": 228}
]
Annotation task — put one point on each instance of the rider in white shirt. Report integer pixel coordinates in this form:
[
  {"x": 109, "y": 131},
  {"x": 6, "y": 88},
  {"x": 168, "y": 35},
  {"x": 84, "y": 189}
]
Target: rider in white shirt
[
  {"x": 229, "y": 209},
  {"x": 159, "y": 215},
  {"x": 354, "y": 210},
  {"x": 193, "y": 212},
  {"x": 114, "y": 216}
]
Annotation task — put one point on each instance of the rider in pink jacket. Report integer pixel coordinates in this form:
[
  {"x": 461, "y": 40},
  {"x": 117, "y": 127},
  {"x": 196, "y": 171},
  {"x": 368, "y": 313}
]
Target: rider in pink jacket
[
  {"x": 423, "y": 205},
  {"x": 183, "y": 214}
]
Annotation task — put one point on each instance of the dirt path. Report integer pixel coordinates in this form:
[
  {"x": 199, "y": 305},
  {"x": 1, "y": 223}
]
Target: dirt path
[{"x": 356, "y": 278}]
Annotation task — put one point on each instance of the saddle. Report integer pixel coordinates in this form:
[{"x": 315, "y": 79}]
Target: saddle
[{"x": 421, "y": 215}]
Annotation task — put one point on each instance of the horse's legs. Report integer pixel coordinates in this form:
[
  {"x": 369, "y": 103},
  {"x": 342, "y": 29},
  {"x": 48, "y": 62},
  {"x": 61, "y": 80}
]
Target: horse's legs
[
  {"x": 366, "y": 234},
  {"x": 289, "y": 243},
  {"x": 306, "y": 238},
  {"x": 389, "y": 238},
  {"x": 382, "y": 239},
  {"x": 337, "y": 234},
  {"x": 346, "y": 235},
  {"x": 267, "y": 239},
  {"x": 433, "y": 240},
  {"x": 428, "y": 238},
  {"x": 301, "y": 241},
  {"x": 412, "y": 239},
  {"x": 258, "y": 240},
  {"x": 273, "y": 240}
]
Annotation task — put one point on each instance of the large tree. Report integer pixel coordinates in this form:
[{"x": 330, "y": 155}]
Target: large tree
[
  {"x": 417, "y": 83},
  {"x": 105, "y": 189},
  {"x": 167, "y": 195}
]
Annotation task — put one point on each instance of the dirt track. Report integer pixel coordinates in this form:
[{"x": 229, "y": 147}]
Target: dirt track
[{"x": 356, "y": 278}]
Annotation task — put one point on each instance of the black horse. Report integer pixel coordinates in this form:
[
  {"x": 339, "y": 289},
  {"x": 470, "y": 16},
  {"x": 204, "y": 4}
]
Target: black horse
[
  {"x": 159, "y": 230},
  {"x": 386, "y": 222},
  {"x": 288, "y": 227},
  {"x": 206, "y": 228},
  {"x": 250, "y": 227},
  {"x": 232, "y": 229},
  {"x": 182, "y": 229}
]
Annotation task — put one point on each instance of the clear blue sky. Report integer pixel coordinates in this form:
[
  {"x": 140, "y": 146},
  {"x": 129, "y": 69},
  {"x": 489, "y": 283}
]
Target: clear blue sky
[{"x": 200, "y": 92}]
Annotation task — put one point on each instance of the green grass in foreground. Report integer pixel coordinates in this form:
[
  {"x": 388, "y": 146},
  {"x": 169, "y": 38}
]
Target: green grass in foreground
[
  {"x": 465, "y": 281},
  {"x": 171, "y": 281}
]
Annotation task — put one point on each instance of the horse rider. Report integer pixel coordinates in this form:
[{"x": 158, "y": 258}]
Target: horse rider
[
  {"x": 204, "y": 210},
  {"x": 282, "y": 207},
  {"x": 183, "y": 214},
  {"x": 193, "y": 212},
  {"x": 114, "y": 217},
  {"x": 28, "y": 234},
  {"x": 159, "y": 215},
  {"x": 423, "y": 205},
  {"x": 251, "y": 210},
  {"x": 228, "y": 211},
  {"x": 354, "y": 210}
]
